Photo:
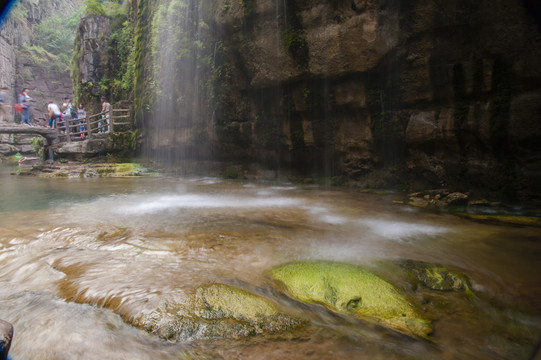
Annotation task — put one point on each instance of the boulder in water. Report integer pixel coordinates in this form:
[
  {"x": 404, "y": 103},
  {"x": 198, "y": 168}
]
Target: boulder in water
[
  {"x": 438, "y": 198},
  {"x": 350, "y": 289},
  {"x": 218, "y": 310},
  {"x": 437, "y": 277}
]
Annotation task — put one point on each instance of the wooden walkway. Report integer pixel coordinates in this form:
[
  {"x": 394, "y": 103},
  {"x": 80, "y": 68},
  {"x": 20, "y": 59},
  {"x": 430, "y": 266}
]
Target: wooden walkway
[
  {"x": 51, "y": 135},
  {"x": 117, "y": 120},
  {"x": 92, "y": 126}
]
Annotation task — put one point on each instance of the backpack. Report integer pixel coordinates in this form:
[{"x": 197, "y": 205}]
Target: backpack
[{"x": 73, "y": 113}]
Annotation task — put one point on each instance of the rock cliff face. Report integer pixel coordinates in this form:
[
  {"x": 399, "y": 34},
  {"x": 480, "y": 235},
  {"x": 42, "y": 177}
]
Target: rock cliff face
[
  {"x": 91, "y": 44},
  {"x": 12, "y": 35},
  {"x": 25, "y": 68},
  {"x": 446, "y": 93},
  {"x": 423, "y": 93}
]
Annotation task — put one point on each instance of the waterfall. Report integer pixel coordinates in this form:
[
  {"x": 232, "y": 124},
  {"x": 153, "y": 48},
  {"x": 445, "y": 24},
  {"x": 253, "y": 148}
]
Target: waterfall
[{"x": 181, "y": 58}]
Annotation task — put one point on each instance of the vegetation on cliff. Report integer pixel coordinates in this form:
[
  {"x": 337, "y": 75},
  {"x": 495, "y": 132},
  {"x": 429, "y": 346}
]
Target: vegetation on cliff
[
  {"x": 116, "y": 81},
  {"x": 51, "y": 29}
]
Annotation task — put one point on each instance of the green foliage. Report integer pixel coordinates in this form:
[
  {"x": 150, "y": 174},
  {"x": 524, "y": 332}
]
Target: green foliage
[
  {"x": 20, "y": 12},
  {"x": 226, "y": 6},
  {"x": 37, "y": 146},
  {"x": 110, "y": 9},
  {"x": 36, "y": 54},
  {"x": 132, "y": 141},
  {"x": 339, "y": 180},
  {"x": 296, "y": 46},
  {"x": 117, "y": 82},
  {"x": 75, "y": 76},
  {"x": 94, "y": 7},
  {"x": 293, "y": 35},
  {"x": 247, "y": 7},
  {"x": 115, "y": 9},
  {"x": 55, "y": 34},
  {"x": 140, "y": 43}
]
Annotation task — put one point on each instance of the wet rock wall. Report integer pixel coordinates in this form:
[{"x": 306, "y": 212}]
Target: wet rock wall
[{"x": 426, "y": 93}]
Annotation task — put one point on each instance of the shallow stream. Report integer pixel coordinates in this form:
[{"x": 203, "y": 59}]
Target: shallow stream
[{"x": 80, "y": 256}]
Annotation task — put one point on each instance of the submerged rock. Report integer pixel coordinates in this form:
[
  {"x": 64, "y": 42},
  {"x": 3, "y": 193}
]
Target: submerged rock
[
  {"x": 437, "y": 277},
  {"x": 350, "y": 289},
  {"x": 83, "y": 170},
  {"x": 437, "y": 198},
  {"x": 511, "y": 219},
  {"x": 217, "y": 310}
]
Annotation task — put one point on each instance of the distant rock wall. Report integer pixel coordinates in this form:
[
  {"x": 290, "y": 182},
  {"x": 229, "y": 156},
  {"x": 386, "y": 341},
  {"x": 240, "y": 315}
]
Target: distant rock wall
[
  {"x": 44, "y": 85},
  {"x": 26, "y": 69},
  {"x": 420, "y": 92},
  {"x": 13, "y": 34},
  {"x": 91, "y": 57}
]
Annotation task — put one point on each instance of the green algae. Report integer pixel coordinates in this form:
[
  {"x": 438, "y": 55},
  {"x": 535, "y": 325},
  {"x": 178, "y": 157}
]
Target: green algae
[
  {"x": 131, "y": 168},
  {"x": 506, "y": 219},
  {"x": 437, "y": 277},
  {"x": 118, "y": 170},
  {"x": 350, "y": 289},
  {"x": 218, "y": 310},
  {"x": 219, "y": 300}
]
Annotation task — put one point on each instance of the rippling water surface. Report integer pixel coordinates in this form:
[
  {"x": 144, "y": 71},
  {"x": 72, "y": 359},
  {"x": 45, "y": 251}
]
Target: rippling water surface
[{"x": 80, "y": 256}]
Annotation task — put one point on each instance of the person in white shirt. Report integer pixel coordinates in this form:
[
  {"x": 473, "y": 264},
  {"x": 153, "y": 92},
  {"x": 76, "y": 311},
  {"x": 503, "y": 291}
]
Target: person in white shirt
[{"x": 54, "y": 113}]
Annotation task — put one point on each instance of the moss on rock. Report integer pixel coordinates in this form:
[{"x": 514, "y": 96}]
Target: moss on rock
[
  {"x": 118, "y": 169},
  {"x": 524, "y": 220},
  {"x": 217, "y": 310},
  {"x": 437, "y": 277},
  {"x": 350, "y": 289}
]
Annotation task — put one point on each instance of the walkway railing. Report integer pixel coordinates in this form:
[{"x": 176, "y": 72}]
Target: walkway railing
[{"x": 117, "y": 120}]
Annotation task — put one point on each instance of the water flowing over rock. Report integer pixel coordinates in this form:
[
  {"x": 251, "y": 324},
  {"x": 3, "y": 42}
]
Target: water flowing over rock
[{"x": 217, "y": 310}]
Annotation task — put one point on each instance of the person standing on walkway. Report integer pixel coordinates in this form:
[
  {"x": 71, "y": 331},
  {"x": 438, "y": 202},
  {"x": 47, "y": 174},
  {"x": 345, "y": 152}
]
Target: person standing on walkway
[
  {"x": 81, "y": 116},
  {"x": 24, "y": 101},
  {"x": 68, "y": 112},
  {"x": 105, "y": 110},
  {"x": 4, "y": 107}
]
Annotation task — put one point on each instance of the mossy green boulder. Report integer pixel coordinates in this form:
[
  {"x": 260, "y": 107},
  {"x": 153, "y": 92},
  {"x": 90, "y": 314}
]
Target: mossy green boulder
[
  {"x": 350, "y": 289},
  {"x": 217, "y": 310}
]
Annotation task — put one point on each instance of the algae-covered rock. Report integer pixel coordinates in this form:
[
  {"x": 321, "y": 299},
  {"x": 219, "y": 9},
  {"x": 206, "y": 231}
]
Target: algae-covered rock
[
  {"x": 524, "y": 220},
  {"x": 85, "y": 170},
  {"x": 437, "y": 198},
  {"x": 353, "y": 290},
  {"x": 118, "y": 169},
  {"x": 436, "y": 277},
  {"x": 217, "y": 310}
]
